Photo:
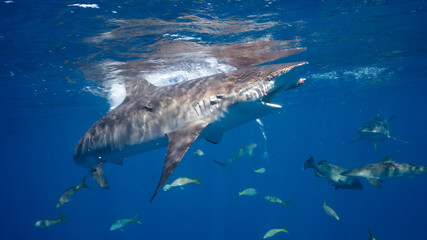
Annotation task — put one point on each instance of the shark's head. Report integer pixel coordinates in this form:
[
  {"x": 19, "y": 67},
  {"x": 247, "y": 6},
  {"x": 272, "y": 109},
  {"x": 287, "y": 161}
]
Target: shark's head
[{"x": 263, "y": 82}]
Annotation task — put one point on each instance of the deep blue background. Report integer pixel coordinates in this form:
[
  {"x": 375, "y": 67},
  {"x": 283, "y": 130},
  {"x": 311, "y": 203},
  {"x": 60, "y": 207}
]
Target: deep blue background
[{"x": 44, "y": 112}]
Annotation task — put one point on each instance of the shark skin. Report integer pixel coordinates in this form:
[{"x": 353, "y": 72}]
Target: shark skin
[
  {"x": 385, "y": 169},
  {"x": 176, "y": 115}
]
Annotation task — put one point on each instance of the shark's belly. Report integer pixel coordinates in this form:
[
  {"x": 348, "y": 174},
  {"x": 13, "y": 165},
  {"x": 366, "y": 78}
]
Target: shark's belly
[{"x": 237, "y": 115}]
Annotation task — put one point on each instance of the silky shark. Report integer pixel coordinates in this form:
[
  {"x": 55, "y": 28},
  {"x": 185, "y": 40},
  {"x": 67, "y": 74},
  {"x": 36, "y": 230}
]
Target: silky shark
[
  {"x": 176, "y": 115},
  {"x": 333, "y": 172},
  {"x": 385, "y": 169},
  {"x": 376, "y": 130}
]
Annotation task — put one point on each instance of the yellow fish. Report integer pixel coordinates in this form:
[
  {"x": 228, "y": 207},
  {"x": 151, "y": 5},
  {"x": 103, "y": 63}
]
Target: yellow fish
[
  {"x": 68, "y": 194},
  {"x": 260, "y": 170},
  {"x": 370, "y": 235},
  {"x": 273, "y": 232},
  {"x": 119, "y": 224},
  {"x": 248, "y": 192},
  {"x": 330, "y": 212},
  {"x": 48, "y": 223},
  {"x": 199, "y": 152},
  {"x": 179, "y": 182},
  {"x": 274, "y": 199}
]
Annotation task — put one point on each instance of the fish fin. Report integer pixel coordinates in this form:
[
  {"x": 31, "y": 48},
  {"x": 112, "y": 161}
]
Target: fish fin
[
  {"x": 134, "y": 219},
  {"x": 222, "y": 164},
  {"x": 309, "y": 163},
  {"x": 98, "y": 174},
  {"x": 286, "y": 203},
  {"x": 377, "y": 146},
  {"x": 251, "y": 153},
  {"x": 197, "y": 180},
  {"x": 179, "y": 142},
  {"x": 118, "y": 161},
  {"x": 390, "y": 118},
  {"x": 375, "y": 182},
  {"x": 352, "y": 140},
  {"x": 138, "y": 87},
  {"x": 387, "y": 158},
  {"x": 317, "y": 174},
  {"x": 61, "y": 217},
  {"x": 215, "y": 138},
  {"x": 83, "y": 183},
  {"x": 402, "y": 141}
]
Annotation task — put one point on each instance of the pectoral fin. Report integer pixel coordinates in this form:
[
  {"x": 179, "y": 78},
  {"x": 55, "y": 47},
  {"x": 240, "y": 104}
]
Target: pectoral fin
[
  {"x": 179, "y": 142},
  {"x": 98, "y": 174},
  {"x": 377, "y": 146},
  {"x": 375, "y": 182}
]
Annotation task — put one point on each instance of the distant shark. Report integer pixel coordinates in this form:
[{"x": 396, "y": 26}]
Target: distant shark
[
  {"x": 385, "y": 169},
  {"x": 176, "y": 115},
  {"x": 333, "y": 172},
  {"x": 376, "y": 130}
]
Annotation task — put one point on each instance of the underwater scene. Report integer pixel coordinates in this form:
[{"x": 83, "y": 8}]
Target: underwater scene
[{"x": 225, "y": 119}]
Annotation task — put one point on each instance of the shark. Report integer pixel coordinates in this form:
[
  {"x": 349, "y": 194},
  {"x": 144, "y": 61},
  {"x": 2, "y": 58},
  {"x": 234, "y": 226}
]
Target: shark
[
  {"x": 174, "y": 116},
  {"x": 333, "y": 173},
  {"x": 387, "y": 168},
  {"x": 376, "y": 130}
]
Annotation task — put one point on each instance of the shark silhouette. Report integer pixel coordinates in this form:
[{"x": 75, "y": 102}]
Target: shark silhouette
[{"x": 176, "y": 115}]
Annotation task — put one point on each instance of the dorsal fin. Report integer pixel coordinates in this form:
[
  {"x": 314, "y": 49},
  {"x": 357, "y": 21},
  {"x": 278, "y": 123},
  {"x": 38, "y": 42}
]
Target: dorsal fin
[
  {"x": 387, "y": 158},
  {"x": 138, "y": 87}
]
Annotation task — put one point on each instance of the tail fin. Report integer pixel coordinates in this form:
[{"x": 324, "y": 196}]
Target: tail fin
[
  {"x": 61, "y": 217},
  {"x": 309, "y": 163},
  {"x": 83, "y": 184},
  {"x": 286, "y": 203},
  {"x": 222, "y": 164},
  {"x": 134, "y": 219},
  {"x": 197, "y": 181}
]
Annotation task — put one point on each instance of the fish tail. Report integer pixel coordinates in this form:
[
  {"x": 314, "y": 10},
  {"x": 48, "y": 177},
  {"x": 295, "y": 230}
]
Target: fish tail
[
  {"x": 309, "y": 163},
  {"x": 197, "y": 180},
  {"x": 83, "y": 183},
  {"x": 284, "y": 229},
  {"x": 61, "y": 218},
  {"x": 286, "y": 203}
]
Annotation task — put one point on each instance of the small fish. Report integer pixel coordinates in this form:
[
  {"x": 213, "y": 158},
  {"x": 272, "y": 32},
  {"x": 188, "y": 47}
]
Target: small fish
[
  {"x": 199, "y": 152},
  {"x": 179, "y": 182},
  {"x": 248, "y": 149},
  {"x": 119, "y": 224},
  {"x": 274, "y": 199},
  {"x": 248, "y": 192},
  {"x": 69, "y": 193},
  {"x": 260, "y": 170},
  {"x": 330, "y": 212},
  {"x": 48, "y": 223},
  {"x": 370, "y": 235},
  {"x": 273, "y": 232}
]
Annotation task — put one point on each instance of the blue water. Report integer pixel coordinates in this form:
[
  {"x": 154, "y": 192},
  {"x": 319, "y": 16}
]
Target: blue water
[{"x": 363, "y": 55}]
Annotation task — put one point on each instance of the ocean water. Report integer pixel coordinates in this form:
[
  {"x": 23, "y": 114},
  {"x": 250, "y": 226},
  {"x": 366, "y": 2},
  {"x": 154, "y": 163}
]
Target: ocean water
[{"x": 63, "y": 65}]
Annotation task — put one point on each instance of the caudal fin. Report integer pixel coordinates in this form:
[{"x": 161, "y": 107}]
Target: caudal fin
[
  {"x": 309, "y": 163},
  {"x": 61, "y": 218},
  {"x": 134, "y": 219},
  {"x": 83, "y": 183},
  {"x": 197, "y": 181},
  {"x": 286, "y": 203}
]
